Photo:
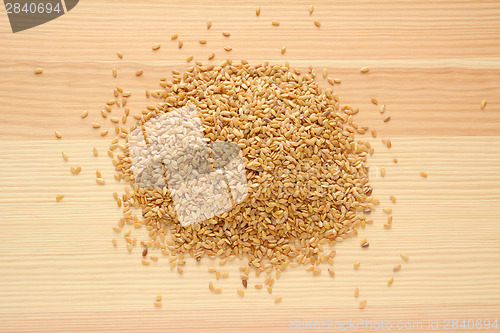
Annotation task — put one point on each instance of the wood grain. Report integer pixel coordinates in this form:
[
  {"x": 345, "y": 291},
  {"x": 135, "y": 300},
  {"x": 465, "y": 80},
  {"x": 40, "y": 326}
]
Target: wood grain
[{"x": 431, "y": 63}]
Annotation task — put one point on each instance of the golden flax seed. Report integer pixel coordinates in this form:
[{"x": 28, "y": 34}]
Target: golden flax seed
[
  {"x": 365, "y": 69},
  {"x": 362, "y": 304},
  {"x": 64, "y": 156},
  {"x": 386, "y": 119},
  {"x": 38, "y": 70},
  {"x": 278, "y": 299},
  {"x": 374, "y": 101},
  {"x": 240, "y": 292},
  {"x": 58, "y": 134},
  {"x": 119, "y": 54},
  {"x": 397, "y": 268},
  {"x": 84, "y": 114},
  {"x": 405, "y": 257},
  {"x": 356, "y": 292},
  {"x": 423, "y": 174},
  {"x": 311, "y": 9},
  {"x": 139, "y": 72},
  {"x": 275, "y": 23},
  {"x": 100, "y": 181},
  {"x": 59, "y": 197},
  {"x": 202, "y": 41},
  {"x": 226, "y": 34},
  {"x": 317, "y": 23},
  {"x": 209, "y": 25},
  {"x": 283, "y": 50},
  {"x": 483, "y": 104},
  {"x": 393, "y": 198},
  {"x": 156, "y": 46},
  {"x": 257, "y": 11}
]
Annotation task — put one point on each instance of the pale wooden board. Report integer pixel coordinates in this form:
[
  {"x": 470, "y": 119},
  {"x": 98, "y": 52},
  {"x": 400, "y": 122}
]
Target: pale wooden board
[{"x": 432, "y": 64}]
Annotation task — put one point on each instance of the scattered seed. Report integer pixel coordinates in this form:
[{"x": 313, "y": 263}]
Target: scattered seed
[
  {"x": 145, "y": 252},
  {"x": 283, "y": 50},
  {"x": 362, "y": 304},
  {"x": 374, "y": 133},
  {"x": 397, "y": 268},
  {"x": 365, "y": 244},
  {"x": 181, "y": 43},
  {"x": 244, "y": 282},
  {"x": 389, "y": 219},
  {"x": 59, "y": 197},
  {"x": 211, "y": 55},
  {"x": 226, "y": 34},
  {"x": 156, "y": 46},
  {"x": 174, "y": 36},
  {"x": 115, "y": 242},
  {"x": 38, "y": 70},
  {"x": 228, "y": 48},
  {"x": 311, "y": 9},
  {"x": 114, "y": 72},
  {"x": 386, "y": 119},
  {"x": 357, "y": 264},
  {"x": 217, "y": 290},
  {"x": 382, "y": 172},
  {"x": 240, "y": 292},
  {"x": 258, "y": 286},
  {"x": 119, "y": 54},
  {"x": 64, "y": 156},
  {"x": 391, "y": 280},
  {"x": 209, "y": 25},
  {"x": 275, "y": 23},
  {"x": 393, "y": 198},
  {"x": 139, "y": 72},
  {"x": 58, "y": 134},
  {"x": 202, "y": 41},
  {"x": 158, "y": 304},
  {"x": 382, "y": 108},
  {"x": 374, "y": 101},
  {"x": 389, "y": 143},
  {"x": 211, "y": 286},
  {"x": 100, "y": 181},
  {"x": 278, "y": 299},
  {"x": 189, "y": 59},
  {"x": 145, "y": 262},
  {"x": 257, "y": 12},
  {"x": 84, "y": 114},
  {"x": 387, "y": 210},
  {"x": 104, "y": 132},
  {"x": 395, "y": 160},
  {"x": 159, "y": 298},
  {"x": 95, "y": 125},
  {"x": 356, "y": 292},
  {"x": 423, "y": 174},
  {"x": 483, "y": 104},
  {"x": 331, "y": 272},
  {"x": 387, "y": 226},
  {"x": 317, "y": 23},
  {"x": 78, "y": 170},
  {"x": 405, "y": 257},
  {"x": 95, "y": 151},
  {"x": 365, "y": 69}
]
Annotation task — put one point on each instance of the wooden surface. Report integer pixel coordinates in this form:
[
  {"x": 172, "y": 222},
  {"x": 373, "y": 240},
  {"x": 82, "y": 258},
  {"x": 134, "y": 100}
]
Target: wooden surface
[{"x": 431, "y": 63}]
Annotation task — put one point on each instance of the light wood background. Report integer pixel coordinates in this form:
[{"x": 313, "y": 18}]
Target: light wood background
[{"x": 432, "y": 63}]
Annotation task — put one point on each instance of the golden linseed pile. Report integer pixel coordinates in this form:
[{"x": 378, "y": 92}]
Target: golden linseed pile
[{"x": 306, "y": 174}]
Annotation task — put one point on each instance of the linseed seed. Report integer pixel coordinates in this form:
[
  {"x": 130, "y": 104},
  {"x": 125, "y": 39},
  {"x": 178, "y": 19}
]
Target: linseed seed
[
  {"x": 38, "y": 70},
  {"x": 139, "y": 72},
  {"x": 119, "y": 54},
  {"x": 423, "y": 174},
  {"x": 227, "y": 48},
  {"x": 257, "y": 11},
  {"x": 311, "y": 10},
  {"x": 59, "y": 197},
  {"x": 278, "y": 299},
  {"x": 374, "y": 101},
  {"x": 397, "y": 268},
  {"x": 393, "y": 198},
  {"x": 283, "y": 50},
  {"x": 211, "y": 55},
  {"x": 356, "y": 292},
  {"x": 405, "y": 257},
  {"x": 226, "y": 34},
  {"x": 64, "y": 156},
  {"x": 58, "y": 134},
  {"x": 317, "y": 23},
  {"x": 84, "y": 114},
  {"x": 156, "y": 46},
  {"x": 175, "y": 36},
  {"x": 209, "y": 25},
  {"x": 362, "y": 304},
  {"x": 275, "y": 23},
  {"x": 386, "y": 119},
  {"x": 240, "y": 292},
  {"x": 202, "y": 41},
  {"x": 95, "y": 152}
]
